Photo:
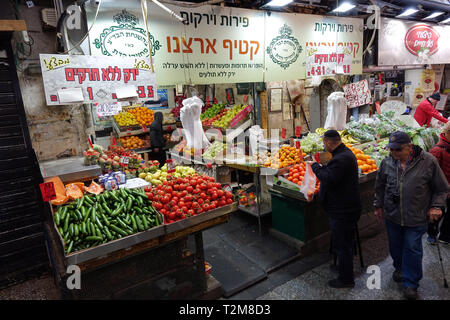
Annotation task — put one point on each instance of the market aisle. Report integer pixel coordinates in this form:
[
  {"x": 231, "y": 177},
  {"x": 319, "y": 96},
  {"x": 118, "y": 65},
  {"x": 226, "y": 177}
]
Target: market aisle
[{"x": 312, "y": 285}]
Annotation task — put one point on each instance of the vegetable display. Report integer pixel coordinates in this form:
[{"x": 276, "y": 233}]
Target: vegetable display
[
  {"x": 179, "y": 198},
  {"x": 365, "y": 162},
  {"x": 297, "y": 174},
  {"x": 96, "y": 219},
  {"x": 284, "y": 157},
  {"x": 312, "y": 143}
]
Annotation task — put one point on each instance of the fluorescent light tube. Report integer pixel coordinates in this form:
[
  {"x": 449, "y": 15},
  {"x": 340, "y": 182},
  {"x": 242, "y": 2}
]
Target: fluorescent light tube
[
  {"x": 344, "y": 7},
  {"x": 445, "y": 21},
  {"x": 408, "y": 12},
  {"x": 278, "y": 3},
  {"x": 433, "y": 15}
]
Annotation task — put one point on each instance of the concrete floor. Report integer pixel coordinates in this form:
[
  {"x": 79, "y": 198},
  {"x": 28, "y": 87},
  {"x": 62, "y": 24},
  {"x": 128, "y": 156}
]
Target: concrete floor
[{"x": 298, "y": 282}]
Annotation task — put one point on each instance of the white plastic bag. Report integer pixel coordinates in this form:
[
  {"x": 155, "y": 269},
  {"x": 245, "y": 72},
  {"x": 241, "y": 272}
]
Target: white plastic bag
[
  {"x": 337, "y": 111},
  {"x": 308, "y": 184},
  {"x": 190, "y": 119}
]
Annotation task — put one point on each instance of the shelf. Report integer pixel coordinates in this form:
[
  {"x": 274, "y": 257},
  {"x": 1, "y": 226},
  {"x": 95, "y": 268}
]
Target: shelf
[{"x": 128, "y": 132}]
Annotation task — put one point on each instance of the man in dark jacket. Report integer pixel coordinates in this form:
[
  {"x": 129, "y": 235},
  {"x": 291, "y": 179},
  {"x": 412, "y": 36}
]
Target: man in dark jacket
[
  {"x": 339, "y": 196},
  {"x": 410, "y": 187},
  {"x": 157, "y": 141}
]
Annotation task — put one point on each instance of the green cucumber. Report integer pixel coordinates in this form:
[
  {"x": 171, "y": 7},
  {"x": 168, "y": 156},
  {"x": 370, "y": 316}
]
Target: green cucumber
[
  {"x": 57, "y": 219},
  {"x": 118, "y": 230},
  {"x": 139, "y": 223},
  {"x": 94, "y": 238},
  {"x": 133, "y": 223},
  {"x": 69, "y": 248},
  {"x": 80, "y": 203}
]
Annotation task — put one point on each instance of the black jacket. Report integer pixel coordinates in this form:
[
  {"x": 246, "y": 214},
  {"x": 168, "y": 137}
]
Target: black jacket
[
  {"x": 156, "y": 132},
  {"x": 339, "y": 184}
]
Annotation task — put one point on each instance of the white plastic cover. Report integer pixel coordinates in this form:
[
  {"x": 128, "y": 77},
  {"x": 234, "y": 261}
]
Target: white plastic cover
[
  {"x": 190, "y": 119},
  {"x": 337, "y": 111}
]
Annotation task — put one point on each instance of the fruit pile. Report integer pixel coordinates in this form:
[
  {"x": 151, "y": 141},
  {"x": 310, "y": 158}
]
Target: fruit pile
[
  {"x": 180, "y": 198},
  {"x": 224, "y": 121},
  {"x": 297, "y": 174},
  {"x": 125, "y": 119},
  {"x": 157, "y": 176},
  {"x": 284, "y": 157},
  {"x": 132, "y": 142},
  {"x": 208, "y": 122},
  {"x": 365, "y": 162},
  {"x": 143, "y": 115},
  {"x": 211, "y": 112}
]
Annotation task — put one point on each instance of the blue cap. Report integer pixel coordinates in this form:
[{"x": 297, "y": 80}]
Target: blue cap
[{"x": 397, "y": 139}]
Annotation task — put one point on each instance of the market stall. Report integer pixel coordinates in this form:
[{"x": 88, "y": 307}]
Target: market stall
[{"x": 111, "y": 227}]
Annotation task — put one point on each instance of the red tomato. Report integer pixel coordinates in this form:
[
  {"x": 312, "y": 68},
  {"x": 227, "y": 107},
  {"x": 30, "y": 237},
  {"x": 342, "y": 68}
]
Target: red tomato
[
  {"x": 220, "y": 193},
  {"x": 172, "y": 215},
  {"x": 229, "y": 201},
  {"x": 222, "y": 203},
  {"x": 203, "y": 195},
  {"x": 218, "y": 185},
  {"x": 203, "y": 186},
  {"x": 149, "y": 196},
  {"x": 169, "y": 189},
  {"x": 161, "y": 193},
  {"x": 174, "y": 194},
  {"x": 196, "y": 191},
  {"x": 165, "y": 199},
  {"x": 159, "y": 186},
  {"x": 157, "y": 205},
  {"x": 200, "y": 210},
  {"x": 189, "y": 189},
  {"x": 182, "y": 187},
  {"x": 184, "y": 193},
  {"x": 175, "y": 187},
  {"x": 175, "y": 199},
  {"x": 190, "y": 212},
  {"x": 188, "y": 204},
  {"x": 180, "y": 203},
  {"x": 179, "y": 212},
  {"x": 163, "y": 211},
  {"x": 175, "y": 208},
  {"x": 200, "y": 201},
  {"x": 229, "y": 195},
  {"x": 212, "y": 206},
  {"x": 184, "y": 209},
  {"x": 214, "y": 196},
  {"x": 188, "y": 198},
  {"x": 193, "y": 182}
]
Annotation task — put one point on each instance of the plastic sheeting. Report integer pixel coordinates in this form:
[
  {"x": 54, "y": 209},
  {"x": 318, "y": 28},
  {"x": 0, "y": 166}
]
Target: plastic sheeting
[
  {"x": 337, "y": 111},
  {"x": 190, "y": 119}
]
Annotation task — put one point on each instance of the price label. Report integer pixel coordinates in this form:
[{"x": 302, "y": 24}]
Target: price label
[
  {"x": 317, "y": 157},
  {"x": 128, "y": 132},
  {"x": 144, "y": 128},
  {"x": 298, "y": 131},
  {"x": 245, "y": 98},
  {"x": 283, "y": 133},
  {"x": 207, "y": 100},
  {"x": 170, "y": 166},
  {"x": 108, "y": 109},
  {"x": 297, "y": 144},
  {"x": 124, "y": 160},
  {"x": 215, "y": 101},
  {"x": 48, "y": 191}
]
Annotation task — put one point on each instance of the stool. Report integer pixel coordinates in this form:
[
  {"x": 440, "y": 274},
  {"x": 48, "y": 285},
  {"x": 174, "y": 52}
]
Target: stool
[{"x": 357, "y": 248}]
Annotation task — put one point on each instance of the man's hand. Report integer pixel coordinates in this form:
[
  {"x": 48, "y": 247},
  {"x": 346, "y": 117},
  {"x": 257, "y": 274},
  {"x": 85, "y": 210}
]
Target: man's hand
[
  {"x": 379, "y": 214},
  {"x": 435, "y": 214}
]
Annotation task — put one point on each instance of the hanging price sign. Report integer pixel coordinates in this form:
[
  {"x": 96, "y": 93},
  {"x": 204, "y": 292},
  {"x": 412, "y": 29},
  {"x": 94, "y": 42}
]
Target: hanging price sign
[
  {"x": 283, "y": 133},
  {"x": 48, "y": 191},
  {"x": 298, "y": 131},
  {"x": 144, "y": 128},
  {"x": 108, "y": 109}
]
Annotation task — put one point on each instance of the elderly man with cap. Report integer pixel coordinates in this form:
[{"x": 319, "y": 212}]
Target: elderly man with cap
[
  {"x": 339, "y": 196},
  {"x": 410, "y": 189},
  {"x": 426, "y": 111}
]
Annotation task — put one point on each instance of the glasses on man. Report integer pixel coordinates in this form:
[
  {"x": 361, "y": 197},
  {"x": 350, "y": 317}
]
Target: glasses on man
[{"x": 396, "y": 150}]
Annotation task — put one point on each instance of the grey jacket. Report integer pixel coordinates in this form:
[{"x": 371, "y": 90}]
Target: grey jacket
[{"x": 421, "y": 186}]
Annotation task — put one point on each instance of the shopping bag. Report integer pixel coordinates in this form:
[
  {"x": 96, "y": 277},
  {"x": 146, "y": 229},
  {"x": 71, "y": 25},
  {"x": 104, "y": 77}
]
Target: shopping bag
[{"x": 308, "y": 184}]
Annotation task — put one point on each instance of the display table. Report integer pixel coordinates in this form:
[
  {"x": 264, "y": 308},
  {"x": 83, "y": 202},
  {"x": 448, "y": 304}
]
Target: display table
[
  {"x": 143, "y": 269},
  {"x": 69, "y": 169}
]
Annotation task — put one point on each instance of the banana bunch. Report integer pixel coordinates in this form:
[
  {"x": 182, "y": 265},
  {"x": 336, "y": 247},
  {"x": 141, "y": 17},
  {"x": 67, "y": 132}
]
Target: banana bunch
[
  {"x": 348, "y": 139},
  {"x": 345, "y": 136}
]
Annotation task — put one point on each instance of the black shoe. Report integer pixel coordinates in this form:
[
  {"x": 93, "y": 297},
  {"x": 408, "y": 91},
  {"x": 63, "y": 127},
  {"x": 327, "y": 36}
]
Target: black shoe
[
  {"x": 397, "y": 276},
  {"x": 339, "y": 284},
  {"x": 410, "y": 293}
]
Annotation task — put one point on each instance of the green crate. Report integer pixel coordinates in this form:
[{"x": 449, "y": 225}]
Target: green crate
[{"x": 288, "y": 216}]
